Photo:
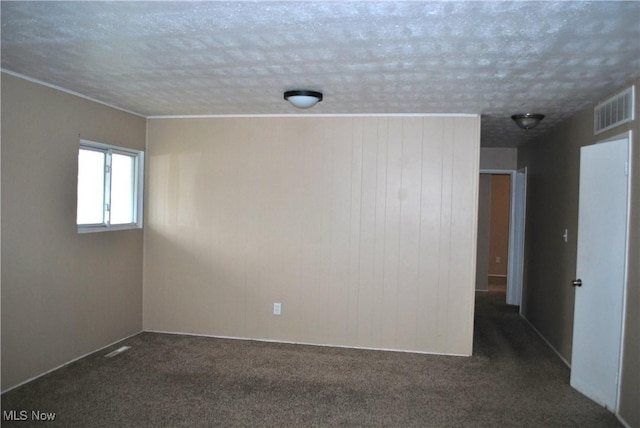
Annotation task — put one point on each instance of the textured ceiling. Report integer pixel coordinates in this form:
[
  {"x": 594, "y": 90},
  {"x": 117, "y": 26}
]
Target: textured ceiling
[{"x": 227, "y": 58}]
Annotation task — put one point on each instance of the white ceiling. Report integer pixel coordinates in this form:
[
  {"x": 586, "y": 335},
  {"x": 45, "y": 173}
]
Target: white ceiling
[{"x": 235, "y": 58}]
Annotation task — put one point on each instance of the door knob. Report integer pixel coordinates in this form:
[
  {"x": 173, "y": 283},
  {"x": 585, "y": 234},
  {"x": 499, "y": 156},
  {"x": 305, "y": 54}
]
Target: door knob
[{"x": 576, "y": 283}]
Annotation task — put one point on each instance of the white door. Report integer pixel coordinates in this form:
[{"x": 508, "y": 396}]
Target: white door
[
  {"x": 601, "y": 269},
  {"x": 516, "y": 237}
]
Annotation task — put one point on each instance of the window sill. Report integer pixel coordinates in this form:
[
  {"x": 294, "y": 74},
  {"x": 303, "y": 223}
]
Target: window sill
[{"x": 103, "y": 228}]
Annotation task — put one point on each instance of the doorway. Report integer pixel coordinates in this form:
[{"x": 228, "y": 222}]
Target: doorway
[
  {"x": 493, "y": 232},
  {"x": 501, "y": 222}
]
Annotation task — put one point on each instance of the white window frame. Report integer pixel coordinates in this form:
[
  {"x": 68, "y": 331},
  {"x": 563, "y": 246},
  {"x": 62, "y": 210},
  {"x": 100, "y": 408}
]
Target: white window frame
[{"x": 138, "y": 212}]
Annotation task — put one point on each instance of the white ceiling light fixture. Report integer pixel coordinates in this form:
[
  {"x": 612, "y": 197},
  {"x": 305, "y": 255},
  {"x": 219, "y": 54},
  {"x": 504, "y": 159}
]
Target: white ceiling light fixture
[
  {"x": 528, "y": 120},
  {"x": 303, "y": 98}
]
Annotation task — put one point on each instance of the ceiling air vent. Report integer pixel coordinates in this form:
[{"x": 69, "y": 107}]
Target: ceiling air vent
[{"x": 614, "y": 111}]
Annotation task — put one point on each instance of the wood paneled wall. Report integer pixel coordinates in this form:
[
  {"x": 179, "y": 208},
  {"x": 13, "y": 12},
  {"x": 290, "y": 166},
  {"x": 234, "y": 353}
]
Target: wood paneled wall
[
  {"x": 64, "y": 294},
  {"x": 364, "y": 228}
]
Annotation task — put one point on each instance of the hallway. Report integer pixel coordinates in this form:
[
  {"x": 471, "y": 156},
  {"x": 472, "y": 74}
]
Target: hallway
[{"x": 529, "y": 378}]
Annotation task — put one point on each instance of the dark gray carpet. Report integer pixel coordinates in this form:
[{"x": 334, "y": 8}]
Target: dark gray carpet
[{"x": 513, "y": 380}]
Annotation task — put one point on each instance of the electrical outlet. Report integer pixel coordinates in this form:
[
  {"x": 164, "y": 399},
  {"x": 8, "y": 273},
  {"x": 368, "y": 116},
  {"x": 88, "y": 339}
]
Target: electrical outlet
[
  {"x": 498, "y": 259},
  {"x": 277, "y": 308}
]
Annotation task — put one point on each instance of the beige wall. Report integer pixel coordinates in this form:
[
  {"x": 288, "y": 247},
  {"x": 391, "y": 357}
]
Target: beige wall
[
  {"x": 484, "y": 232},
  {"x": 362, "y": 227},
  {"x": 63, "y": 294},
  {"x": 498, "y": 158},
  {"x": 552, "y": 205}
]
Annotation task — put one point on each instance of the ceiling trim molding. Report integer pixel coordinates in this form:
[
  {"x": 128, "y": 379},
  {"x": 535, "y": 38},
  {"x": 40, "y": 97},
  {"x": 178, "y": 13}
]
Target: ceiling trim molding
[
  {"x": 68, "y": 91},
  {"x": 223, "y": 116}
]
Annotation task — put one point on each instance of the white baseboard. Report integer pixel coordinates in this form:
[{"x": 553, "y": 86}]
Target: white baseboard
[
  {"x": 622, "y": 421},
  {"x": 546, "y": 341},
  {"x": 308, "y": 344}
]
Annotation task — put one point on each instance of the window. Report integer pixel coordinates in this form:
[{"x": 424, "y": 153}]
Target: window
[{"x": 110, "y": 188}]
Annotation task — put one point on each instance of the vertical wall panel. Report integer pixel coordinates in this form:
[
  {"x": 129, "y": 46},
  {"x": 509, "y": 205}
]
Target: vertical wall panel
[
  {"x": 429, "y": 232},
  {"x": 464, "y": 192},
  {"x": 379, "y": 233},
  {"x": 363, "y": 228},
  {"x": 391, "y": 239},
  {"x": 409, "y": 195},
  {"x": 355, "y": 212},
  {"x": 445, "y": 264},
  {"x": 368, "y": 217}
]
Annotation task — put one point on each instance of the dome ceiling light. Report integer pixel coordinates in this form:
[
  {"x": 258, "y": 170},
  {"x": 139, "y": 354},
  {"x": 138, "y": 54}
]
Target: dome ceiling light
[
  {"x": 303, "y": 98},
  {"x": 528, "y": 120}
]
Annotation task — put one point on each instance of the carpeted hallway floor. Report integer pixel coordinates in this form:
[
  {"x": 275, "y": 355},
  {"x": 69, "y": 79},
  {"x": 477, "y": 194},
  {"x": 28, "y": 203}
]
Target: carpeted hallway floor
[{"x": 513, "y": 380}]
